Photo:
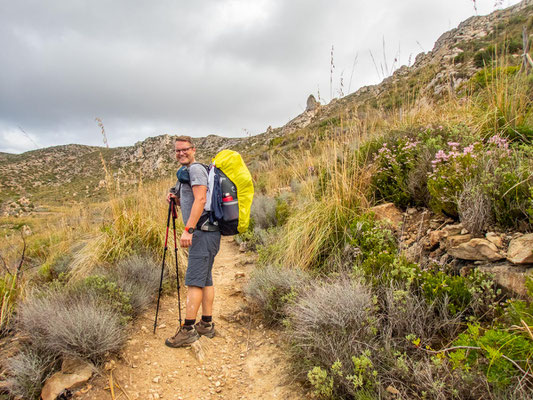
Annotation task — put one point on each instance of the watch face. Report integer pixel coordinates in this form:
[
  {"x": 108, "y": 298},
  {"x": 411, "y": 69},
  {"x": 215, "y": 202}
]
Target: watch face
[{"x": 190, "y": 230}]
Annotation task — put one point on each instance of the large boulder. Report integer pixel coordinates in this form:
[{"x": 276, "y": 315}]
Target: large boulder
[
  {"x": 73, "y": 374},
  {"x": 520, "y": 250},
  {"x": 510, "y": 277},
  {"x": 476, "y": 250}
]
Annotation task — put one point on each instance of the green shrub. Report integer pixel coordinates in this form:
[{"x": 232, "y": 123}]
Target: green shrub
[
  {"x": 395, "y": 161},
  {"x": 283, "y": 211},
  {"x": 484, "y": 57},
  {"x": 56, "y": 267},
  {"x": 486, "y": 76},
  {"x": 491, "y": 351},
  {"x": 499, "y": 172},
  {"x": 474, "y": 294},
  {"x": 104, "y": 291},
  {"x": 375, "y": 253}
]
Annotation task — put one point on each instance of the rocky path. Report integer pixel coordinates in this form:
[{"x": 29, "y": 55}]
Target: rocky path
[{"x": 244, "y": 360}]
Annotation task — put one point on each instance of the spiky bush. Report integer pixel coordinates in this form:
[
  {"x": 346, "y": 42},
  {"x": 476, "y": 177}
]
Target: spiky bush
[
  {"x": 475, "y": 208},
  {"x": 271, "y": 288},
  {"x": 138, "y": 276},
  {"x": 27, "y": 372},
  {"x": 330, "y": 324},
  {"x": 74, "y": 325},
  {"x": 263, "y": 211}
]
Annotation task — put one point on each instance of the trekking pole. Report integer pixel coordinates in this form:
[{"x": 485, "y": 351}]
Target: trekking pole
[
  {"x": 163, "y": 265},
  {"x": 174, "y": 216}
]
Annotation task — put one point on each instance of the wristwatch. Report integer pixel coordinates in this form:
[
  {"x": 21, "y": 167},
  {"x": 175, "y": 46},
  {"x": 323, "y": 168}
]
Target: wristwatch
[{"x": 189, "y": 229}]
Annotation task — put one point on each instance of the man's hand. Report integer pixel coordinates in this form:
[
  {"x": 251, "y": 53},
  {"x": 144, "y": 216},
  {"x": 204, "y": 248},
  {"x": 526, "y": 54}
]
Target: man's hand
[
  {"x": 175, "y": 198},
  {"x": 186, "y": 239}
]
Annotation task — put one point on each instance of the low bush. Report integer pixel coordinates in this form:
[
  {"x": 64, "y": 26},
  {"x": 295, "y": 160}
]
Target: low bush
[
  {"x": 409, "y": 317},
  {"x": 263, "y": 211},
  {"x": 271, "y": 288},
  {"x": 138, "y": 277},
  {"x": 332, "y": 325},
  {"x": 27, "y": 372},
  {"x": 395, "y": 162},
  {"x": 375, "y": 253},
  {"x": 485, "y": 77},
  {"x": 501, "y": 174},
  {"x": 103, "y": 291},
  {"x": 77, "y": 325}
]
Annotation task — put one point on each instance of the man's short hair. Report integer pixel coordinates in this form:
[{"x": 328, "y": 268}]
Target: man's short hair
[{"x": 185, "y": 139}]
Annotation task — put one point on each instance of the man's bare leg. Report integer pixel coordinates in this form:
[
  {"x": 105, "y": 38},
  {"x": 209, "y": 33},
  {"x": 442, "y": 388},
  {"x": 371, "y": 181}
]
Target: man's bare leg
[
  {"x": 194, "y": 300},
  {"x": 207, "y": 300}
]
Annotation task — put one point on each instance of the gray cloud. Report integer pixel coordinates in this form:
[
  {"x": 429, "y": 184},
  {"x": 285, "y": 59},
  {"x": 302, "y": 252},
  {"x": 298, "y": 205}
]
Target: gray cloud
[{"x": 148, "y": 68}]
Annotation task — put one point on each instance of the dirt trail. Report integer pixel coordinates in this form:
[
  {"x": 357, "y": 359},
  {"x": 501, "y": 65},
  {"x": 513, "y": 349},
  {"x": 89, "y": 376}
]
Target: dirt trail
[{"x": 244, "y": 360}]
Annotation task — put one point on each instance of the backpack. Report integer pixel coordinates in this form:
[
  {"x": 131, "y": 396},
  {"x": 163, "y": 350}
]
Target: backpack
[{"x": 231, "y": 193}]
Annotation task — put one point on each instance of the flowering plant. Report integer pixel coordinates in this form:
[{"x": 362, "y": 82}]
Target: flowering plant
[
  {"x": 498, "y": 172},
  {"x": 394, "y": 162}
]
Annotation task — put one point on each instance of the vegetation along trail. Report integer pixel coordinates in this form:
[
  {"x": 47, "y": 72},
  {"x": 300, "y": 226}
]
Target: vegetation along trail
[{"x": 243, "y": 361}]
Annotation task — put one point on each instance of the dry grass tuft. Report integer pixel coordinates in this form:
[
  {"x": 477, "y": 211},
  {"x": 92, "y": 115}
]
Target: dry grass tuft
[{"x": 474, "y": 208}]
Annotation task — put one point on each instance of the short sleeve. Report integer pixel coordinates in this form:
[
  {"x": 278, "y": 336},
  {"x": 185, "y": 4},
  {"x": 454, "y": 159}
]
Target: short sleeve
[{"x": 198, "y": 175}]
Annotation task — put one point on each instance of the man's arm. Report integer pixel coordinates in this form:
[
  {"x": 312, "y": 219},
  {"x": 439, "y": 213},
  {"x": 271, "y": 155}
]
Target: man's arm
[{"x": 199, "y": 193}]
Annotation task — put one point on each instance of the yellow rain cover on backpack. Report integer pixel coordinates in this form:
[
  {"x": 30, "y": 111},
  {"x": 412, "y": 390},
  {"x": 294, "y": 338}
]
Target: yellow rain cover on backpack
[{"x": 230, "y": 162}]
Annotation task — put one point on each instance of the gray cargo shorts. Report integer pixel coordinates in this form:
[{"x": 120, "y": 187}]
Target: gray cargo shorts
[{"x": 205, "y": 246}]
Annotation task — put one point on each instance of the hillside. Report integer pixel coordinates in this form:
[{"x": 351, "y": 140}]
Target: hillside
[{"x": 456, "y": 56}]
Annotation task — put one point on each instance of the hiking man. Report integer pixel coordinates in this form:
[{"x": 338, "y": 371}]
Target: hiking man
[{"x": 203, "y": 241}]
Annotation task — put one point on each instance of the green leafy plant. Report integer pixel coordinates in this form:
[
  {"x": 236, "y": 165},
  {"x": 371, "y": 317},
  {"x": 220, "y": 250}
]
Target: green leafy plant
[{"x": 501, "y": 354}]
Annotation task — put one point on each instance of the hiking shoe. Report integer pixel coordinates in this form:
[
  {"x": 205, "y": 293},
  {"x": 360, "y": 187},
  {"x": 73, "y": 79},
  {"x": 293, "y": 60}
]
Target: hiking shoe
[
  {"x": 182, "y": 337},
  {"x": 205, "y": 328}
]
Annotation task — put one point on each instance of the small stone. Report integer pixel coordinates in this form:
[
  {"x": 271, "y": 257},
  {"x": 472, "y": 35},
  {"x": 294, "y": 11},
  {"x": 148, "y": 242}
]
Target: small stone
[
  {"x": 156, "y": 379},
  {"x": 392, "y": 390},
  {"x": 494, "y": 239}
]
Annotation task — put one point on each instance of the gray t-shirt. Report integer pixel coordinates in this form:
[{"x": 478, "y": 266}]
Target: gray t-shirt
[{"x": 197, "y": 176}]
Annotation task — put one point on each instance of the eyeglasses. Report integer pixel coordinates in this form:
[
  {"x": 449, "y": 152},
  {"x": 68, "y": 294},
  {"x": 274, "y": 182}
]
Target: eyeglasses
[{"x": 178, "y": 151}]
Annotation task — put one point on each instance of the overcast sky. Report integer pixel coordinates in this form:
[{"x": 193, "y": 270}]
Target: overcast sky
[{"x": 221, "y": 67}]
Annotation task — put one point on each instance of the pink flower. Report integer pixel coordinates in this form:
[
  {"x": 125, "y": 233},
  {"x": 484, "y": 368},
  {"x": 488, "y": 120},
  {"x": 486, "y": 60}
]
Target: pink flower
[{"x": 468, "y": 149}]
